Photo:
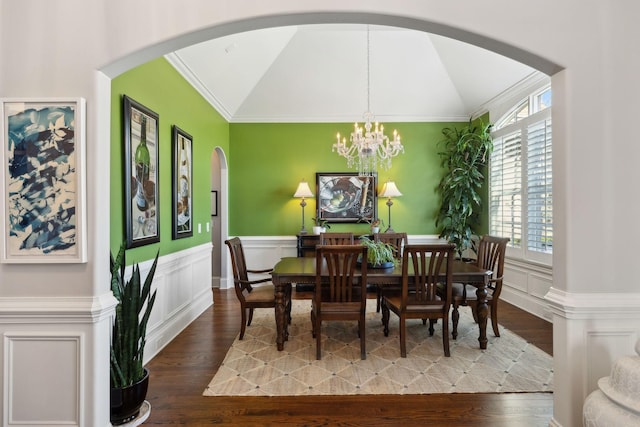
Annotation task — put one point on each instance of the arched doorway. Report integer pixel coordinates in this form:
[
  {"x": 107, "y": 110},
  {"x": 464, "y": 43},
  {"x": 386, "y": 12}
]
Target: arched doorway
[{"x": 219, "y": 218}]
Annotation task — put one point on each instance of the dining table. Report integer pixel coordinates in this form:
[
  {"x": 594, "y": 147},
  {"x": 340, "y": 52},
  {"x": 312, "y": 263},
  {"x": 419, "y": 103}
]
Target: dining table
[{"x": 290, "y": 270}]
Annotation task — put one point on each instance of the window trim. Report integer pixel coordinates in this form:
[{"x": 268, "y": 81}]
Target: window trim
[{"x": 523, "y": 252}]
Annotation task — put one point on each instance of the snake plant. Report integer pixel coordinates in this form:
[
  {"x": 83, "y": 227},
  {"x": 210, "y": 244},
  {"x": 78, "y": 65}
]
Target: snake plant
[
  {"x": 129, "y": 328},
  {"x": 465, "y": 154}
]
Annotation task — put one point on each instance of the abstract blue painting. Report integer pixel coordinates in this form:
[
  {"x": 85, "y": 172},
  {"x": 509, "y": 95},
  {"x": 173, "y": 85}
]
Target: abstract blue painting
[{"x": 43, "y": 152}]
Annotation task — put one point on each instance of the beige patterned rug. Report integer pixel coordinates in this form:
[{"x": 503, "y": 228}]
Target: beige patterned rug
[{"x": 254, "y": 367}]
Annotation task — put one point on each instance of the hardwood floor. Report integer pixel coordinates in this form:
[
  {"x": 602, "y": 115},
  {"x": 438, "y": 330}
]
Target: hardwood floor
[{"x": 180, "y": 373}]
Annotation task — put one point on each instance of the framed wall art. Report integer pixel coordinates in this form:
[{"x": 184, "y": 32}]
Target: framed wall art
[
  {"x": 43, "y": 191},
  {"x": 182, "y": 179},
  {"x": 346, "y": 197},
  {"x": 142, "y": 216}
]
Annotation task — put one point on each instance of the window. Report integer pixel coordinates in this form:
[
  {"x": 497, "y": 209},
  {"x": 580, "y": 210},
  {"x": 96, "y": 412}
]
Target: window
[{"x": 520, "y": 190}]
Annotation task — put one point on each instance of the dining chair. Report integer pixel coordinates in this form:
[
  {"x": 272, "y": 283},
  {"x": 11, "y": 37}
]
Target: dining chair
[
  {"x": 419, "y": 298},
  {"x": 336, "y": 238},
  {"x": 398, "y": 241},
  {"x": 250, "y": 296},
  {"x": 339, "y": 294},
  {"x": 491, "y": 253}
]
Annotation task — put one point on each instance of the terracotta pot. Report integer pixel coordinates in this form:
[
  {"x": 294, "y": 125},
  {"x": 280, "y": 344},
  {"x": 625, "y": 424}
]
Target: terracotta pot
[{"x": 126, "y": 402}]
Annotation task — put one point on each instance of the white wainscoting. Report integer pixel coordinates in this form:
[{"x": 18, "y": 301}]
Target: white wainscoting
[
  {"x": 590, "y": 332},
  {"x": 183, "y": 281},
  {"x": 525, "y": 286},
  {"x": 54, "y": 369}
]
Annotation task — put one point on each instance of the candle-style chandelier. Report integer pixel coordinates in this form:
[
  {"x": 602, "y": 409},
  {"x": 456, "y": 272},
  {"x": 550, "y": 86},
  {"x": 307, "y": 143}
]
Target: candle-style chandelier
[{"x": 369, "y": 148}]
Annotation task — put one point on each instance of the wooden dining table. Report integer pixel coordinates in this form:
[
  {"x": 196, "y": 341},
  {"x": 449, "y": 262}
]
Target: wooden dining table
[{"x": 291, "y": 270}]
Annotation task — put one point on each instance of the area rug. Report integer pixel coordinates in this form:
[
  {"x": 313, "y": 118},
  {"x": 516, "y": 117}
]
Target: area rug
[{"x": 254, "y": 367}]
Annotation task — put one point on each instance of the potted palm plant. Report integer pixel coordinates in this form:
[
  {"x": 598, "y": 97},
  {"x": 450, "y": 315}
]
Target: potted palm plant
[
  {"x": 129, "y": 379},
  {"x": 464, "y": 157}
]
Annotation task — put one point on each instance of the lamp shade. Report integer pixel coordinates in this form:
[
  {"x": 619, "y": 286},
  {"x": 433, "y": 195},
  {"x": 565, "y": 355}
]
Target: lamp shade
[
  {"x": 303, "y": 190},
  {"x": 390, "y": 190}
]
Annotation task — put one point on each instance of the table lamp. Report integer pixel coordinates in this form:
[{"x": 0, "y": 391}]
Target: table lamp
[
  {"x": 303, "y": 191},
  {"x": 390, "y": 190}
]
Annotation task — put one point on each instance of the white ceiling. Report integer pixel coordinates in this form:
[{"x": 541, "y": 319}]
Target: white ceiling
[{"x": 318, "y": 73}]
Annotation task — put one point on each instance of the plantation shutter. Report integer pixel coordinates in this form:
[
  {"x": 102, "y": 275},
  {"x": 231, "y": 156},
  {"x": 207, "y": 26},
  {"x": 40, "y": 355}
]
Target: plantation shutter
[
  {"x": 505, "y": 207},
  {"x": 539, "y": 188}
]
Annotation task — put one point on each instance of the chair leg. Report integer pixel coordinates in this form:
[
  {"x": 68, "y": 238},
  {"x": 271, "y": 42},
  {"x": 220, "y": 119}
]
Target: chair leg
[
  {"x": 455, "y": 317},
  {"x": 318, "y": 329},
  {"x": 250, "y": 317},
  {"x": 445, "y": 337},
  {"x": 313, "y": 324},
  {"x": 431, "y": 328},
  {"x": 473, "y": 311},
  {"x": 385, "y": 317},
  {"x": 403, "y": 338},
  {"x": 244, "y": 322},
  {"x": 378, "y": 298},
  {"x": 361, "y": 329},
  {"x": 494, "y": 318}
]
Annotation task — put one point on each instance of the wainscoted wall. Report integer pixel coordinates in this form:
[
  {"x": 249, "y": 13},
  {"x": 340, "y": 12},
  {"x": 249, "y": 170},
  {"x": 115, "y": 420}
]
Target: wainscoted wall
[
  {"x": 48, "y": 340},
  {"x": 525, "y": 285}
]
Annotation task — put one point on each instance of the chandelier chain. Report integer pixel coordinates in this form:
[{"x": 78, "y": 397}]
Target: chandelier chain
[
  {"x": 368, "y": 71},
  {"x": 370, "y": 147}
]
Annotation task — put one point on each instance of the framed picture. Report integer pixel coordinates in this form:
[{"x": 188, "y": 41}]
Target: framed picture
[
  {"x": 346, "y": 197},
  {"x": 142, "y": 216},
  {"x": 182, "y": 178},
  {"x": 43, "y": 181},
  {"x": 214, "y": 203}
]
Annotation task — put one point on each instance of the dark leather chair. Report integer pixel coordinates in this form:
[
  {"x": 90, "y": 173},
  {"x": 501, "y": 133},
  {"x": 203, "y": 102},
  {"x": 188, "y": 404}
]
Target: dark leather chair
[
  {"x": 341, "y": 296},
  {"x": 250, "y": 297},
  {"x": 491, "y": 253},
  {"x": 336, "y": 238},
  {"x": 419, "y": 298},
  {"x": 398, "y": 241}
]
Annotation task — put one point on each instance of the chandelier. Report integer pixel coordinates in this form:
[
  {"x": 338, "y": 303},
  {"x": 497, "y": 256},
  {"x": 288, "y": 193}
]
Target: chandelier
[{"x": 370, "y": 147}]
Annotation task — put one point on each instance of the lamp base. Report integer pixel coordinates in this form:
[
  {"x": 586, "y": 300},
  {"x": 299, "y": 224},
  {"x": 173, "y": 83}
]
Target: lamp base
[
  {"x": 303, "y": 231},
  {"x": 389, "y": 230}
]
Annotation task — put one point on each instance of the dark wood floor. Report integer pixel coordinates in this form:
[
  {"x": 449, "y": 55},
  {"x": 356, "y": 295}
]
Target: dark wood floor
[{"x": 180, "y": 373}]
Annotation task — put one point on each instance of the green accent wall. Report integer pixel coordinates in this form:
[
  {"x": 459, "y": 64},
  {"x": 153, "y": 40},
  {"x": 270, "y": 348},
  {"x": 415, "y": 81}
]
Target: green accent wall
[
  {"x": 268, "y": 160},
  {"x": 159, "y": 87}
]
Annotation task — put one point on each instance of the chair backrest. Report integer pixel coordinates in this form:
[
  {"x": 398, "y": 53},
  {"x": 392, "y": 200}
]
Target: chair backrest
[
  {"x": 239, "y": 267},
  {"x": 397, "y": 240},
  {"x": 491, "y": 253},
  {"x": 336, "y": 238},
  {"x": 339, "y": 266},
  {"x": 429, "y": 262}
]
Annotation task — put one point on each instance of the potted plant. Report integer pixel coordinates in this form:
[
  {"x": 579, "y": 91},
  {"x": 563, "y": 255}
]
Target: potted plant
[
  {"x": 464, "y": 157},
  {"x": 374, "y": 224},
  {"x": 129, "y": 379},
  {"x": 379, "y": 254},
  {"x": 320, "y": 225}
]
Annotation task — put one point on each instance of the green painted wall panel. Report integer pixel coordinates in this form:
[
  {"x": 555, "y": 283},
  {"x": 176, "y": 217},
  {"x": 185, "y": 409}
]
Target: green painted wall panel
[
  {"x": 158, "y": 86},
  {"x": 268, "y": 160}
]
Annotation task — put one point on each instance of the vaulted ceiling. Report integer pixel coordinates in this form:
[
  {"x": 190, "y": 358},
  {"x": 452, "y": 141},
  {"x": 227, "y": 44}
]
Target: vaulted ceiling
[{"x": 318, "y": 73}]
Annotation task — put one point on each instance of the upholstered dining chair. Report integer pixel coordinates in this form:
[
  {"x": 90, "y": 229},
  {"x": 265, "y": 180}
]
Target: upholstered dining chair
[
  {"x": 339, "y": 294},
  {"x": 398, "y": 241},
  {"x": 491, "y": 253},
  {"x": 419, "y": 298},
  {"x": 250, "y": 297},
  {"x": 336, "y": 239}
]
